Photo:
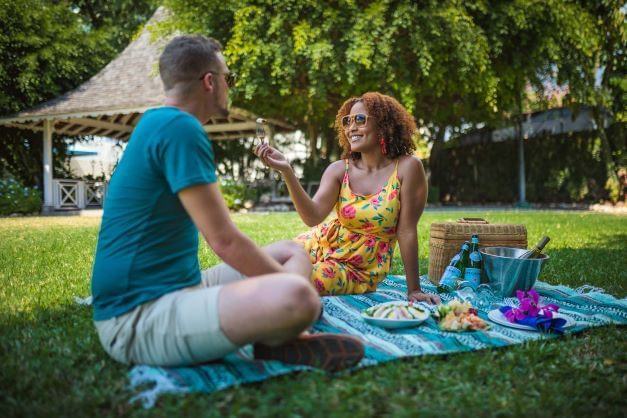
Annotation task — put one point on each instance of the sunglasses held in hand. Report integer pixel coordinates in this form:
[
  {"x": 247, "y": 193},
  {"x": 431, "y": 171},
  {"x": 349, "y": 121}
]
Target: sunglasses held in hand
[
  {"x": 360, "y": 120},
  {"x": 260, "y": 131}
]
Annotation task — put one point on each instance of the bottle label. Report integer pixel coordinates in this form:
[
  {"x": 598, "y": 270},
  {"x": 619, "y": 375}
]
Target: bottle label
[
  {"x": 475, "y": 256},
  {"x": 473, "y": 276},
  {"x": 450, "y": 277}
]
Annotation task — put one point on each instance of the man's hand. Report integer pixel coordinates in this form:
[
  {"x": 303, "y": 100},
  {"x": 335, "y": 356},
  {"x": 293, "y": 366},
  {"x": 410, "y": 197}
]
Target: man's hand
[{"x": 420, "y": 296}]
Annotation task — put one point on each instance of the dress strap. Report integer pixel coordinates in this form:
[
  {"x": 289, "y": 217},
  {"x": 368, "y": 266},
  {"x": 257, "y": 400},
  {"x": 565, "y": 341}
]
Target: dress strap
[
  {"x": 346, "y": 165},
  {"x": 395, "y": 172},
  {"x": 394, "y": 177}
]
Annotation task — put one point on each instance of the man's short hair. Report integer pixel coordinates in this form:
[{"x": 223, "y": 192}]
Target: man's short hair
[{"x": 185, "y": 58}]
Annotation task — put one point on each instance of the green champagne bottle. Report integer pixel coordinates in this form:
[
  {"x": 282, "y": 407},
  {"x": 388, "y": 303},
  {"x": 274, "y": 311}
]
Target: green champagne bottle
[
  {"x": 536, "y": 250},
  {"x": 454, "y": 272}
]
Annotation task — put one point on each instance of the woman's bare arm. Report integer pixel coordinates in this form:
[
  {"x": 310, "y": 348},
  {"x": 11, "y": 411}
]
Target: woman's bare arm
[
  {"x": 413, "y": 200},
  {"x": 311, "y": 210}
]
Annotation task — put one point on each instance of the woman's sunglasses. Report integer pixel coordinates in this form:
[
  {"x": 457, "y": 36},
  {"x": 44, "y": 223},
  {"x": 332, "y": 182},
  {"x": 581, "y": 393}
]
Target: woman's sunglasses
[{"x": 360, "y": 120}]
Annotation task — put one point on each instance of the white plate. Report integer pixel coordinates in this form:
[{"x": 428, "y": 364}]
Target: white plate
[
  {"x": 395, "y": 323},
  {"x": 498, "y": 317}
]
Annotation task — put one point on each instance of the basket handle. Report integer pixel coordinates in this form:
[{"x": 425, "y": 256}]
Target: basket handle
[{"x": 472, "y": 221}]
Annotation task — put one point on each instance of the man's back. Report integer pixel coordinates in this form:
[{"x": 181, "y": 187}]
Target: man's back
[{"x": 148, "y": 244}]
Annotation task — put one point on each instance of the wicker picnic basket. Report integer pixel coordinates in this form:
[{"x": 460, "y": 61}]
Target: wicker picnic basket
[{"x": 446, "y": 238}]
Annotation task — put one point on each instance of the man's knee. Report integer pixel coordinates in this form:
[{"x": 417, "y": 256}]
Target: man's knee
[
  {"x": 299, "y": 299},
  {"x": 293, "y": 248}
]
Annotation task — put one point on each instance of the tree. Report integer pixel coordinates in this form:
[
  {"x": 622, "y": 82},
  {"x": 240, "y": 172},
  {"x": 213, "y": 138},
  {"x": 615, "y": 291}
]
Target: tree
[
  {"x": 48, "y": 48},
  {"x": 118, "y": 19},
  {"x": 299, "y": 60},
  {"x": 452, "y": 63},
  {"x": 608, "y": 95}
]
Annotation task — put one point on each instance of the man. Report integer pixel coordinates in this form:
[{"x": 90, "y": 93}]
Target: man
[{"x": 152, "y": 305}]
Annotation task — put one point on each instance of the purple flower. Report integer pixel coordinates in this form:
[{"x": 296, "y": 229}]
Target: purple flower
[{"x": 530, "y": 307}]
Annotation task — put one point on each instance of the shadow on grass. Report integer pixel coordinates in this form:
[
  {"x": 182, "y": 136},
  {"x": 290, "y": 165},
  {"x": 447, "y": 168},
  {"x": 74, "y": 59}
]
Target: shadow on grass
[{"x": 53, "y": 365}]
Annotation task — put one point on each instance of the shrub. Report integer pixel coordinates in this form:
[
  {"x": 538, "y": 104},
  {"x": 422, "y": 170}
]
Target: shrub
[
  {"x": 235, "y": 193},
  {"x": 15, "y": 198}
]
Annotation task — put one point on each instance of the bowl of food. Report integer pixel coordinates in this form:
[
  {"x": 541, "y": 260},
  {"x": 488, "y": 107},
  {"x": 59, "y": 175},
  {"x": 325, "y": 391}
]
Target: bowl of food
[
  {"x": 395, "y": 314},
  {"x": 507, "y": 273}
]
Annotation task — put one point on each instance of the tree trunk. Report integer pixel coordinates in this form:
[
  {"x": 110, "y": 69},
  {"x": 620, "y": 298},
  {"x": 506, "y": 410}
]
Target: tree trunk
[
  {"x": 312, "y": 136},
  {"x": 332, "y": 146},
  {"x": 611, "y": 165},
  {"x": 435, "y": 160}
]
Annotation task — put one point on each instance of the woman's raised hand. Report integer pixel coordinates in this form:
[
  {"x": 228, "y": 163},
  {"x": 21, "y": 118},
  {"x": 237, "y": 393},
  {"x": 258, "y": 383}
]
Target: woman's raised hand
[{"x": 272, "y": 157}]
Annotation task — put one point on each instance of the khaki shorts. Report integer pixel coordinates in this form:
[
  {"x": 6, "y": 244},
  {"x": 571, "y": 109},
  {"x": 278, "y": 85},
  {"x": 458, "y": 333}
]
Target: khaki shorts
[{"x": 179, "y": 328}]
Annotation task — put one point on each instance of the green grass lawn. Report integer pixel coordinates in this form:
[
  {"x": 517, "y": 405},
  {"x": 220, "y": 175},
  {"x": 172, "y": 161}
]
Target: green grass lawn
[{"x": 52, "y": 363}]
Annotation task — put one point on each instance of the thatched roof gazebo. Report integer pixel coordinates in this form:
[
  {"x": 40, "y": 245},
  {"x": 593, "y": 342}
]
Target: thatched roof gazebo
[{"x": 109, "y": 105}]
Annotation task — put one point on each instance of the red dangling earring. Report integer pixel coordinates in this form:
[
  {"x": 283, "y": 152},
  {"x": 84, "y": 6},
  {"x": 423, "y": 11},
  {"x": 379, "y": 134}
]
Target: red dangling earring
[{"x": 384, "y": 149}]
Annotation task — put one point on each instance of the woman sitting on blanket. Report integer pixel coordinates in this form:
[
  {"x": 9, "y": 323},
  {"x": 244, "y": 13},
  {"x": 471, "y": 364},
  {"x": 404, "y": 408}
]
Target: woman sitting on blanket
[{"x": 379, "y": 191}]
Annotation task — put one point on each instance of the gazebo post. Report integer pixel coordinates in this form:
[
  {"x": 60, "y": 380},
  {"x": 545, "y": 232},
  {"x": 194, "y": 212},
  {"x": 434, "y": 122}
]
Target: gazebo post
[{"x": 48, "y": 206}]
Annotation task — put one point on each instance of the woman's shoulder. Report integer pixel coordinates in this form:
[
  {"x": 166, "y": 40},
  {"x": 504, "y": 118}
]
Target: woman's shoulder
[
  {"x": 409, "y": 162},
  {"x": 409, "y": 165},
  {"x": 335, "y": 169},
  {"x": 338, "y": 166}
]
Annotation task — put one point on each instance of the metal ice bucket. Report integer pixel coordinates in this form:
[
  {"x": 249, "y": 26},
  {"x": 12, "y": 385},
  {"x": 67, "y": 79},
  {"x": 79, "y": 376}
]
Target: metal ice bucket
[{"x": 506, "y": 273}]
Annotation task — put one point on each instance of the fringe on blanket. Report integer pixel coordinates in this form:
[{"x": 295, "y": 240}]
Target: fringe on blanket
[
  {"x": 586, "y": 288},
  {"x": 150, "y": 375},
  {"x": 86, "y": 301}
]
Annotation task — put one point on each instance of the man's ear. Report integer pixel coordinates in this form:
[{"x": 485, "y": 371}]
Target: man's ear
[{"x": 208, "y": 81}]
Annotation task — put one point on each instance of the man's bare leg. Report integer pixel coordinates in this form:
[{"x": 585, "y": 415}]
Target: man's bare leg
[
  {"x": 272, "y": 311},
  {"x": 292, "y": 256},
  {"x": 295, "y": 260},
  {"x": 272, "y": 308}
]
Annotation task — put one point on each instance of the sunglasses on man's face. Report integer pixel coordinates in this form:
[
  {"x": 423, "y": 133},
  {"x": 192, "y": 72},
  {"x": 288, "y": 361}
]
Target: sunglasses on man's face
[
  {"x": 229, "y": 77},
  {"x": 360, "y": 120}
]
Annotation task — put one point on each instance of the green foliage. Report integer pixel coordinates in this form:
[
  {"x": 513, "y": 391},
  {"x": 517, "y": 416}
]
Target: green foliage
[
  {"x": 15, "y": 198},
  {"x": 21, "y": 153},
  {"x": 46, "y": 49},
  {"x": 53, "y": 364},
  {"x": 117, "y": 19},
  {"x": 299, "y": 60},
  {"x": 234, "y": 157},
  {"x": 236, "y": 193},
  {"x": 450, "y": 63}
]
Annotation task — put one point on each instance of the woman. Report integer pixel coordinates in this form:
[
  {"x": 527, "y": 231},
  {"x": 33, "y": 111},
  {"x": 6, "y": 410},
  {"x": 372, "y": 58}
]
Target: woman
[{"x": 379, "y": 191}]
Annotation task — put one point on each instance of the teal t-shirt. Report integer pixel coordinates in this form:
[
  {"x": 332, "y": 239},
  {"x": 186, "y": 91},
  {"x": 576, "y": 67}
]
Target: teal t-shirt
[{"x": 148, "y": 244}]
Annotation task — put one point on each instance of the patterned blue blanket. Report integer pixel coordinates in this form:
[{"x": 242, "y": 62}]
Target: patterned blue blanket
[{"x": 588, "y": 306}]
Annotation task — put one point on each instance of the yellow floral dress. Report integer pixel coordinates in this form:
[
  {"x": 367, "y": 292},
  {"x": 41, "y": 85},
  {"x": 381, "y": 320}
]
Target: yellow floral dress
[{"x": 352, "y": 253}]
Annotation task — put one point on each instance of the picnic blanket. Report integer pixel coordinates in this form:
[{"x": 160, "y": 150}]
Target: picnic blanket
[{"x": 587, "y": 305}]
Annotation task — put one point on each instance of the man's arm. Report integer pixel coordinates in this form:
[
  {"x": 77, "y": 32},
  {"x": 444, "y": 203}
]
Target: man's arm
[{"x": 206, "y": 207}]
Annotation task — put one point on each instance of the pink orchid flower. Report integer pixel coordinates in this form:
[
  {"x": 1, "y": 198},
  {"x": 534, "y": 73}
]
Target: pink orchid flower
[{"x": 530, "y": 307}]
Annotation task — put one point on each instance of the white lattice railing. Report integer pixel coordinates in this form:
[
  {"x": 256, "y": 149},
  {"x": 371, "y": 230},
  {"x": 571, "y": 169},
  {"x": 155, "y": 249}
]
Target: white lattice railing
[
  {"x": 95, "y": 193},
  {"x": 77, "y": 194}
]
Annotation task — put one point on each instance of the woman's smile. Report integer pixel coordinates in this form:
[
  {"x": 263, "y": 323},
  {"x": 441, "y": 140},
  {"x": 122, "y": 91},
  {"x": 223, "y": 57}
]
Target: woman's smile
[{"x": 356, "y": 137}]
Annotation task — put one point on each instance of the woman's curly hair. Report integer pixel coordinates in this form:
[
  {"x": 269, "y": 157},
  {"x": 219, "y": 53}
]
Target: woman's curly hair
[{"x": 393, "y": 123}]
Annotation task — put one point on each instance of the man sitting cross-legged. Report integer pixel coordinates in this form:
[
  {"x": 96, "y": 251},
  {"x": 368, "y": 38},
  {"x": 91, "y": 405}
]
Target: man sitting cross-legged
[{"x": 152, "y": 304}]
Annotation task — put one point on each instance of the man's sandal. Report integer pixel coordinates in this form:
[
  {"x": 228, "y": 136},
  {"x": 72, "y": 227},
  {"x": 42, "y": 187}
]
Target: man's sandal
[{"x": 330, "y": 352}]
